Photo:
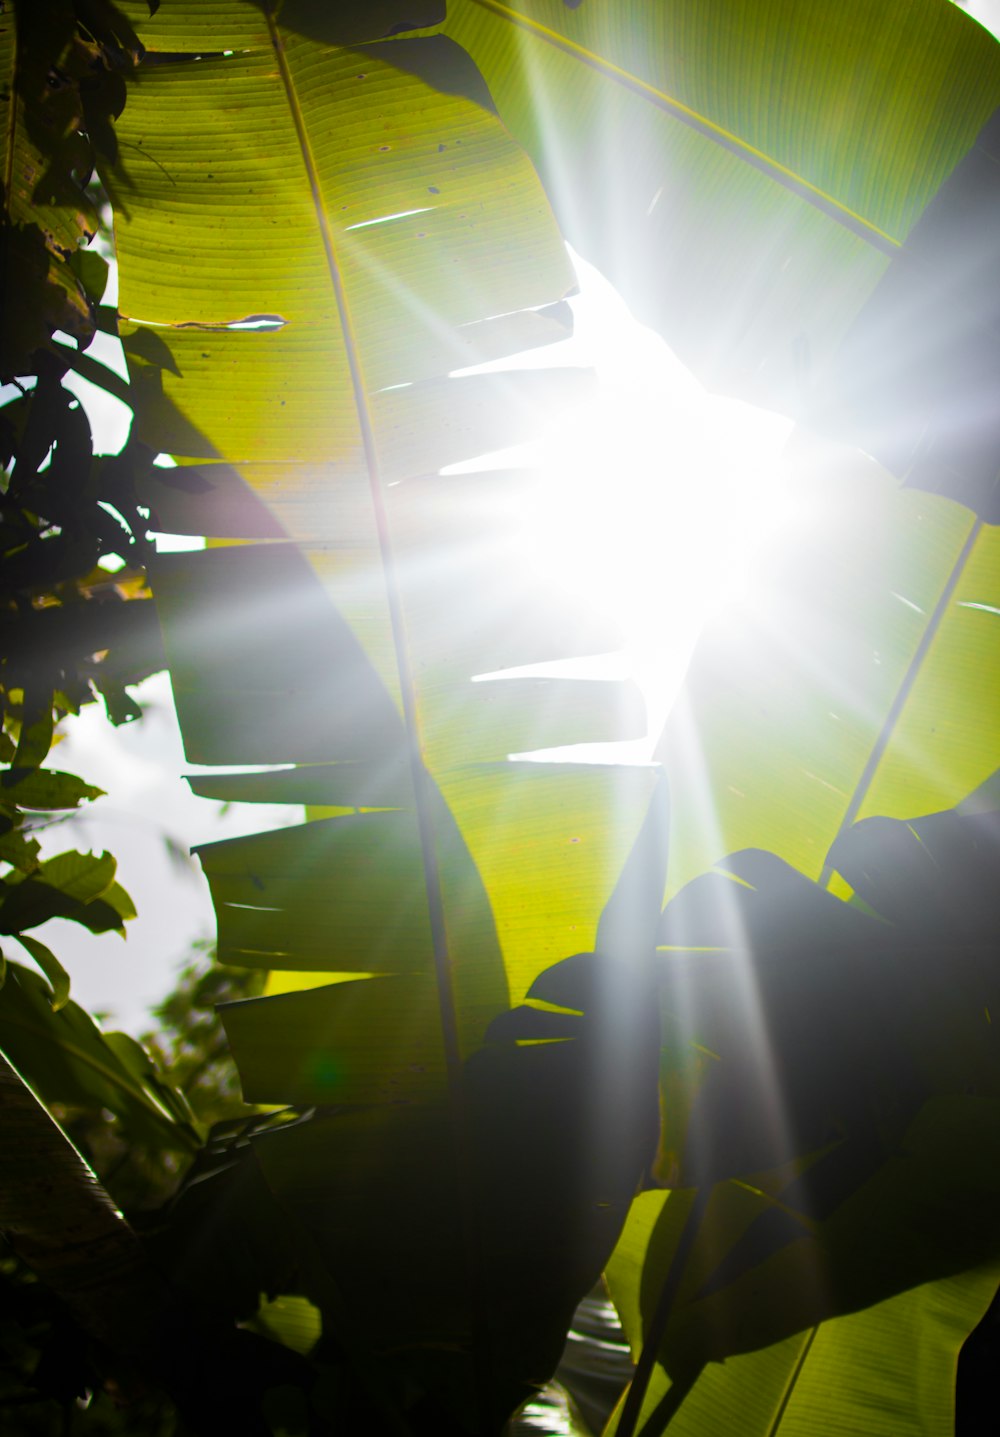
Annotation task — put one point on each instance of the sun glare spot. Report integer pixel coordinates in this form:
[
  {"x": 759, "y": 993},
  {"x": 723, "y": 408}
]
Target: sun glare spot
[{"x": 652, "y": 497}]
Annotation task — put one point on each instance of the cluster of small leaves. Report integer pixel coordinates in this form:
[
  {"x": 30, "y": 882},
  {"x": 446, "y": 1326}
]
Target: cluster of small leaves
[
  {"x": 52, "y": 1378},
  {"x": 76, "y": 624},
  {"x": 76, "y": 619},
  {"x": 62, "y": 82},
  {"x": 189, "y": 1042},
  {"x": 188, "y": 1067},
  {"x": 69, "y": 631}
]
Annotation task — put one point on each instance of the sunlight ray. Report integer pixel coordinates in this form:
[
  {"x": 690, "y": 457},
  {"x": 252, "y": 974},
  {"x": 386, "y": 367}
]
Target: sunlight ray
[{"x": 680, "y": 987}]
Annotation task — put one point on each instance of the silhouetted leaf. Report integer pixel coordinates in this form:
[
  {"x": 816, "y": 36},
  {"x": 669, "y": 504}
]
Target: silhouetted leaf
[
  {"x": 45, "y": 788},
  {"x": 66, "y": 1059},
  {"x": 51, "y": 967},
  {"x": 850, "y": 1081}
]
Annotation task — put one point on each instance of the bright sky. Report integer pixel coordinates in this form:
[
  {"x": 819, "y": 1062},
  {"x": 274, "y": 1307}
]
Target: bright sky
[{"x": 987, "y": 12}]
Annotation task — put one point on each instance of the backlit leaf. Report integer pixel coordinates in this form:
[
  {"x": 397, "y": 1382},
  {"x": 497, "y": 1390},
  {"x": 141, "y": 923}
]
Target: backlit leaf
[{"x": 800, "y": 197}]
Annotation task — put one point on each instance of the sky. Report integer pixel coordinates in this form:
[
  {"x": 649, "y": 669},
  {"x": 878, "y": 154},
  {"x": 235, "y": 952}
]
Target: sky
[
  {"x": 148, "y": 819},
  {"x": 987, "y": 12}
]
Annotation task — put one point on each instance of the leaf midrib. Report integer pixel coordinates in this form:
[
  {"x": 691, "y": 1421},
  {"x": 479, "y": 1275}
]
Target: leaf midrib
[
  {"x": 791, "y": 1383},
  {"x": 907, "y": 683},
  {"x": 432, "y": 879},
  {"x": 444, "y": 986}
]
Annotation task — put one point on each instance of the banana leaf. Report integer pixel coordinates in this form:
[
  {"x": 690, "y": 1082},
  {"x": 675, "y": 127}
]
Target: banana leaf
[
  {"x": 856, "y": 675},
  {"x": 853, "y": 684},
  {"x": 361, "y": 670},
  {"x": 836, "y": 1143},
  {"x": 373, "y": 229},
  {"x": 800, "y": 197},
  {"x": 858, "y": 1371}
]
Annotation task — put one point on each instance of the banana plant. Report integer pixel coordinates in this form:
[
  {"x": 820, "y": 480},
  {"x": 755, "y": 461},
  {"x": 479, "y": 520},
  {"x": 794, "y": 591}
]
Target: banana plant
[
  {"x": 381, "y": 230},
  {"x": 318, "y": 222},
  {"x": 842, "y": 1132},
  {"x": 796, "y": 196},
  {"x": 792, "y": 196}
]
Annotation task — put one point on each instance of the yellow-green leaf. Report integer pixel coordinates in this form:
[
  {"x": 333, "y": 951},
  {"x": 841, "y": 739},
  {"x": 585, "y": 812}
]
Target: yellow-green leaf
[{"x": 747, "y": 174}]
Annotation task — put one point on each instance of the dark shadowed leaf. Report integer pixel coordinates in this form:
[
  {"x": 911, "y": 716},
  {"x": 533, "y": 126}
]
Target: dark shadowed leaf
[{"x": 66, "y": 1059}]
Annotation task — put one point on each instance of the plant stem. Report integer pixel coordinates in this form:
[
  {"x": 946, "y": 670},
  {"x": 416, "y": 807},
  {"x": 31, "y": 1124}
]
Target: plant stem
[
  {"x": 670, "y": 1403},
  {"x": 658, "y": 1326}
]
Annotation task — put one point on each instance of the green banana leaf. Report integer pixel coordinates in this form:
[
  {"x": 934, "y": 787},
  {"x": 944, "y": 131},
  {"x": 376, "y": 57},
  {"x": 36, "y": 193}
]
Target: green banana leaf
[
  {"x": 889, "y": 1370},
  {"x": 856, "y": 675},
  {"x": 373, "y": 229},
  {"x": 798, "y": 196},
  {"x": 816, "y": 704}
]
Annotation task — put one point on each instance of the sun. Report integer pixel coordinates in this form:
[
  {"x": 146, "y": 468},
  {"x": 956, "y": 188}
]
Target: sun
[{"x": 652, "y": 497}]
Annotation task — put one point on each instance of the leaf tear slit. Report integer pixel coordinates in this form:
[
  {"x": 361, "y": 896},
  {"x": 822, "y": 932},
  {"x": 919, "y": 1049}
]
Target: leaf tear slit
[
  {"x": 251, "y": 321},
  {"x": 384, "y": 219}
]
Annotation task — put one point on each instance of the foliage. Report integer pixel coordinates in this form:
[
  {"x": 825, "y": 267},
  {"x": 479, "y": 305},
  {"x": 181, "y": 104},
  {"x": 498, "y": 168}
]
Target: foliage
[
  {"x": 474, "y": 1110},
  {"x": 48, "y": 1364},
  {"x": 188, "y": 1061},
  {"x": 821, "y": 178},
  {"x": 54, "y": 1379},
  {"x": 189, "y": 1043},
  {"x": 71, "y": 629}
]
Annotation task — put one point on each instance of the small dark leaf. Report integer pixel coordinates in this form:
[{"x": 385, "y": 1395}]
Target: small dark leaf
[
  {"x": 45, "y": 789},
  {"x": 51, "y": 967},
  {"x": 111, "y": 29},
  {"x": 120, "y": 706},
  {"x": 41, "y": 294},
  {"x": 573, "y": 983},
  {"x": 102, "y": 95},
  {"x": 64, "y": 1057},
  {"x": 35, "y": 738},
  {"x": 20, "y": 852},
  {"x": 47, "y": 402},
  {"x": 533, "y": 1025},
  {"x": 933, "y": 874},
  {"x": 147, "y": 345},
  {"x": 91, "y": 269},
  {"x": 351, "y": 23}
]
